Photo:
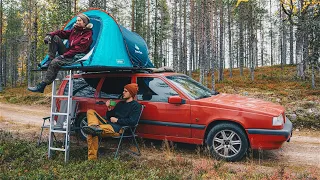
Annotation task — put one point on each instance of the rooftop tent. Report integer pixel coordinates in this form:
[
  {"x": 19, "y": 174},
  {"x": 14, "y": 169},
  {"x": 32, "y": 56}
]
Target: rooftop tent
[{"x": 113, "y": 45}]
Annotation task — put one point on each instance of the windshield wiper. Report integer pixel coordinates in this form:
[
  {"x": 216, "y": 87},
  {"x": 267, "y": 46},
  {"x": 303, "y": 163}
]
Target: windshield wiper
[{"x": 215, "y": 92}]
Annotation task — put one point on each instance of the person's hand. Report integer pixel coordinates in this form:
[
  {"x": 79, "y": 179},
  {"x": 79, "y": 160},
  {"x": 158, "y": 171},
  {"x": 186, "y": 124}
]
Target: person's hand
[
  {"x": 47, "y": 39},
  {"x": 108, "y": 105},
  {"x": 113, "y": 119},
  {"x": 60, "y": 57}
]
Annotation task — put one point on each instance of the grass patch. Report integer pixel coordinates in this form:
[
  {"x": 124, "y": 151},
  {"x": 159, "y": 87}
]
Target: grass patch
[
  {"x": 20, "y": 95},
  {"x": 21, "y": 159}
]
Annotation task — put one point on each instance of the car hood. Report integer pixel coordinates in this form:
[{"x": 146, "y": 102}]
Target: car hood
[{"x": 242, "y": 103}]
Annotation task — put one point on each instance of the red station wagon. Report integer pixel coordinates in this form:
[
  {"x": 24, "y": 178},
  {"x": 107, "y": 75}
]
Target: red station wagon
[{"x": 179, "y": 109}]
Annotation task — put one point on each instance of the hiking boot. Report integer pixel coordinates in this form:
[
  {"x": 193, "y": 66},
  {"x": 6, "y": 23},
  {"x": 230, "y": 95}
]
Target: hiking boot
[
  {"x": 93, "y": 130},
  {"x": 39, "y": 88}
]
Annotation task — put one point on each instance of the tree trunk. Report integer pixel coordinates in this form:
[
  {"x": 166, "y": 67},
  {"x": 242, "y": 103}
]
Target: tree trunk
[
  {"x": 291, "y": 44},
  {"x": 35, "y": 35},
  {"x": 262, "y": 42},
  {"x": 148, "y": 30},
  {"x": 175, "y": 36},
  {"x": 221, "y": 43},
  {"x": 1, "y": 57},
  {"x": 271, "y": 36},
  {"x": 180, "y": 38},
  {"x": 155, "y": 53},
  {"x": 202, "y": 41},
  {"x": 185, "y": 43},
  {"x": 230, "y": 42},
  {"x": 75, "y": 7},
  {"x": 4, "y": 65},
  {"x": 313, "y": 84},
  {"x": 132, "y": 15},
  {"x": 191, "y": 57},
  {"x": 241, "y": 48}
]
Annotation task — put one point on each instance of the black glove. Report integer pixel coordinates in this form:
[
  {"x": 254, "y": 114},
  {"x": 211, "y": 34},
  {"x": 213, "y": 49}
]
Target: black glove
[
  {"x": 47, "y": 39},
  {"x": 60, "y": 57}
]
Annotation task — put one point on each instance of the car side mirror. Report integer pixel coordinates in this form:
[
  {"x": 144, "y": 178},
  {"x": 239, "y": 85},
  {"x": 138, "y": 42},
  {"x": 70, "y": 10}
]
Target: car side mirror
[{"x": 176, "y": 100}]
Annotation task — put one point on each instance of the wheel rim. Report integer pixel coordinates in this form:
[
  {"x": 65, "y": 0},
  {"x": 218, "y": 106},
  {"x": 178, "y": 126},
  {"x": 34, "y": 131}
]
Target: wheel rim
[
  {"x": 83, "y": 123},
  {"x": 227, "y": 143}
]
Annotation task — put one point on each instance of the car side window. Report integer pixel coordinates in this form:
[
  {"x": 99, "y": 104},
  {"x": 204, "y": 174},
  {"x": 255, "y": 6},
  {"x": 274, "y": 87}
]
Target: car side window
[
  {"x": 112, "y": 87},
  {"x": 83, "y": 87},
  {"x": 154, "y": 89}
]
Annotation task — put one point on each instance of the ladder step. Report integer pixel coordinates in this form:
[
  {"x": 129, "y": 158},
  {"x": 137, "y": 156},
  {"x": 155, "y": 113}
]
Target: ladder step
[
  {"x": 57, "y": 149},
  {"x": 58, "y": 131},
  {"x": 59, "y": 96},
  {"x": 59, "y": 114}
]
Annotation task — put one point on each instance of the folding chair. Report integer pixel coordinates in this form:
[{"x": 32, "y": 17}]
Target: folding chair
[
  {"x": 61, "y": 119},
  {"x": 128, "y": 132}
]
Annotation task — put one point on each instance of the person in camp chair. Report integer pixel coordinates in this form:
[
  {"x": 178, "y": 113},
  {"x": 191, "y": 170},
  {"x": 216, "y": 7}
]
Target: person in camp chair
[
  {"x": 79, "y": 38},
  {"x": 125, "y": 113}
]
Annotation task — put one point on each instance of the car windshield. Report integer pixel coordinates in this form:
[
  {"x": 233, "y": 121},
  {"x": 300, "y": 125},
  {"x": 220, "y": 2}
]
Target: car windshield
[{"x": 191, "y": 87}]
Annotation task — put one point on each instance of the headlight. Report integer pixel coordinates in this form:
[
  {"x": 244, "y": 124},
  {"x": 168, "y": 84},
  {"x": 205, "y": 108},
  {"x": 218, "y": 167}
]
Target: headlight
[{"x": 277, "y": 121}]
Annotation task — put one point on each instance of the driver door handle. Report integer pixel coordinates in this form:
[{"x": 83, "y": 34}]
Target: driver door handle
[{"x": 100, "y": 102}]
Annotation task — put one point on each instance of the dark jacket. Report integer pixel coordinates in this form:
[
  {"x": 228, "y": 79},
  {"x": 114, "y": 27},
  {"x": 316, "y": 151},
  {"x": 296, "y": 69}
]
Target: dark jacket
[
  {"x": 79, "y": 39},
  {"x": 127, "y": 113}
]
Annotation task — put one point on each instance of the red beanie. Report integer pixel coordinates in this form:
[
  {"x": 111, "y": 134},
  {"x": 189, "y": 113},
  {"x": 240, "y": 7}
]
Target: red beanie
[{"x": 132, "y": 88}]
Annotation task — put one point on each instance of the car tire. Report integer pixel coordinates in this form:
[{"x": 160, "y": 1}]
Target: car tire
[
  {"x": 82, "y": 121},
  {"x": 227, "y": 141}
]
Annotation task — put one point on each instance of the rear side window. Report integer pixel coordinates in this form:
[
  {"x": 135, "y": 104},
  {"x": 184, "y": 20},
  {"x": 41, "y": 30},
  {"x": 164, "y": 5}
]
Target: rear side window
[
  {"x": 112, "y": 87},
  {"x": 154, "y": 89},
  {"x": 83, "y": 87}
]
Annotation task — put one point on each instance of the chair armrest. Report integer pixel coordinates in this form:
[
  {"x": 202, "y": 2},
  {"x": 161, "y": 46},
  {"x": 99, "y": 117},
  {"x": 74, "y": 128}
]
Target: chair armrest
[{"x": 45, "y": 118}]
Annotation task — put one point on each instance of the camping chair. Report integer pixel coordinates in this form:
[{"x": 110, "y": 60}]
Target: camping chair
[
  {"x": 61, "y": 119},
  {"x": 127, "y": 132}
]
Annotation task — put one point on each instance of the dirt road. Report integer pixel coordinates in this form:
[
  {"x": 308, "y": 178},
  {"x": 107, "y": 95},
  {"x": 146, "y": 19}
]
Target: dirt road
[{"x": 302, "y": 150}]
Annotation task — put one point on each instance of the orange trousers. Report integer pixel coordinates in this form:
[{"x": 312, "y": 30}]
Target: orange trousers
[{"x": 93, "y": 141}]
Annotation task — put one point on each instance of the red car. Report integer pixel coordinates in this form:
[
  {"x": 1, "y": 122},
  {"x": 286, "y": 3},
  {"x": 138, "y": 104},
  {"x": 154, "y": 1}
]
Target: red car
[{"x": 179, "y": 109}]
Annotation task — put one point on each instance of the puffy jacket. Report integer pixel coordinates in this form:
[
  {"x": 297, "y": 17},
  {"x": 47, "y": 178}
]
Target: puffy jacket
[{"x": 79, "y": 39}]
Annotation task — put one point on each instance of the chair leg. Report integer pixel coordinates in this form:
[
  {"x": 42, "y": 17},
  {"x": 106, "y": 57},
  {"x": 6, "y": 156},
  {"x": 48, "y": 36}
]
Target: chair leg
[
  {"x": 40, "y": 136},
  {"x": 135, "y": 144},
  {"x": 39, "y": 139},
  {"x": 115, "y": 156}
]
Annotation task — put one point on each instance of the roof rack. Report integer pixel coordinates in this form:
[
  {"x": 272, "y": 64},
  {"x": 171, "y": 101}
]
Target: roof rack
[{"x": 103, "y": 69}]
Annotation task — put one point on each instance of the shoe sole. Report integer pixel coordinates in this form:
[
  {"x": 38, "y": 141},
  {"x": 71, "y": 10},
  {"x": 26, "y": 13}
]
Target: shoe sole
[{"x": 89, "y": 130}]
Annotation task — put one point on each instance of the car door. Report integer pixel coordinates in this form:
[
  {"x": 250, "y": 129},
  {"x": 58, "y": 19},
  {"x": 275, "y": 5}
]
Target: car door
[
  {"x": 159, "y": 117},
  {"x": 112, "y": 88}
]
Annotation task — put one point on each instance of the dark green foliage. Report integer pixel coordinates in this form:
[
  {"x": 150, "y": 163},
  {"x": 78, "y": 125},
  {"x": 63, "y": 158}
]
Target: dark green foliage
[{"x": 23, "y": 160}]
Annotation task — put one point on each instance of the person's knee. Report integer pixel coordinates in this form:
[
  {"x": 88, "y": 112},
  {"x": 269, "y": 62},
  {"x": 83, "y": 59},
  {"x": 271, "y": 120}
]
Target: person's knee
[
  {"x": 55, "y": 63},
  {"x": 56, "y": 38},
  {"x": 90, "y": 112}
]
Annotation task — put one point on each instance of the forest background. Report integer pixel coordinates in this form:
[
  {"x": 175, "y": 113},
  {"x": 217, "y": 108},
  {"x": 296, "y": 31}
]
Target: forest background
[
  {"x": 270, "y": 46},
  {"x": 189, "y": 35}
]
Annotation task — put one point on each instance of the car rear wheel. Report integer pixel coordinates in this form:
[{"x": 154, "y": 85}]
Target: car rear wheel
[
  {"x": 227, "y": 141},
  {"x": 82, "y": 121}
]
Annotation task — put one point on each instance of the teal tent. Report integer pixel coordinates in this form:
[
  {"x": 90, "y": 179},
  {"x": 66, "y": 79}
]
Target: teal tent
[{"x": 113, "y": 45}]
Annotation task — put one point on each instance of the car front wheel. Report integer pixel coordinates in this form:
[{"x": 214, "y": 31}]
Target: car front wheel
[{"x": 227, "y": 141}]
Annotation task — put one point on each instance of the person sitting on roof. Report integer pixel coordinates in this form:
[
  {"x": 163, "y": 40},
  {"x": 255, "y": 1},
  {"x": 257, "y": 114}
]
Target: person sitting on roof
[
  {"x": 125, "y": 113},
  {"x": 80, "y": 39}
]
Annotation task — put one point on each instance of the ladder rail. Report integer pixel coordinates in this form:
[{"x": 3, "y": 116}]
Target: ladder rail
[{"x": 66, "y": 127}]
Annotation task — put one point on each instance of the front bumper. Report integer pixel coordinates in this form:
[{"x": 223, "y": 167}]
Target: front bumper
[{"x": 270, "y": 139}]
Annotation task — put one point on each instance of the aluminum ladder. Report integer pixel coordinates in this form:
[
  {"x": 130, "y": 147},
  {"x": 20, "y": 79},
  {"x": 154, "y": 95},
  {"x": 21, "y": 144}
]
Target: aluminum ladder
[{"x": 65, "y": 127}]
